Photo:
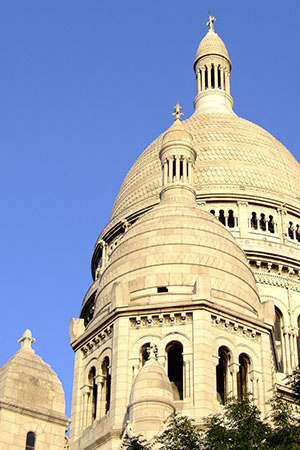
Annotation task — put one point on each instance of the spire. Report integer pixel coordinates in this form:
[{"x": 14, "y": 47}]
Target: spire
[
  {"x": 212, "y": 67},
  {"x": 177, "y": 158},
  {"x": 26, "y": 340}
]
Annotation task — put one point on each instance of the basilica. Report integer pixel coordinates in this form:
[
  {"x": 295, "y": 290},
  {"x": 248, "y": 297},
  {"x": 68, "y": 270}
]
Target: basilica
[{"x": 196, "y": 285}]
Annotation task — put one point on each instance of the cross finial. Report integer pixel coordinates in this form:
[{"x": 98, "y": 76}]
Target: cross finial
[
  {"x": 210, "y": 22},
  {"x": 26, "y": 341},
  {"x": 177, "y": 112}
]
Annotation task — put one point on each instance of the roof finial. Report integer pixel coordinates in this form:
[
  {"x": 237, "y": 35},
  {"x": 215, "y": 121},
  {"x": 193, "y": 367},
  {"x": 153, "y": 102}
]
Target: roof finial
[
  {"x": 177, "y": 112},
  {"x": 210, "y": 23},
  {"x": 26, "y": 340}
]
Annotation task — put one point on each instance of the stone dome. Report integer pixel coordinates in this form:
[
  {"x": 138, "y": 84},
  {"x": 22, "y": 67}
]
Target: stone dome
[
  {"x": 233, "y": 156},
  {"x": 152, "y": 383},
  {"x": 28, "y": 382},
  {"x": 212, "y": 44},
  {"x": 172, "y": 246},
  {"x": 151, "y": 400}
]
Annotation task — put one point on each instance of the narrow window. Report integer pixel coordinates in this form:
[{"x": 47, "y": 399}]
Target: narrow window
[
  {"x": 175, "y": 368},
  {"x": 262, "y": 222},
  {"x": 212, "y": 76},
  {"x": 222, "y": 374},
  {"x": 212, "y": 211},
  {"x": 222, "y": 216},
  {"x": 181, "y": 168},
  {"x": 162, "y": 289},
  {"x": 206, "y": 78},
  {"x": 291, "y": 230},
  {"x": 254, "y": 221},
  {"x": 298, "y": 233},
  {"x": 106, "y": 385},
  {"x": 231, "y": 219},
  {"x": 242, "y": 376},
  {"x": 271, "y": 227},
  {"x": 174, "y": 168},
  {"x": 278, "y": 337},
  {"x": 30, "y": 441},
  {"x": 94, "y": 392},
  {"x": 145, "y": 352},
  {"x": 219, "y": 78}
]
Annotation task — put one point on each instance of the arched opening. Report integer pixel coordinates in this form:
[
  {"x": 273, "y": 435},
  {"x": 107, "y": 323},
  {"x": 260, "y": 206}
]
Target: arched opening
[
  {"x": 278, "y": 324},
  {"x": 213, "y": 85},
  {"x": 222, "y": 216},
  {"x": 145, "y": 353},
  {"x": 291, "y": 230},
  {"x": 298, "y": 233},
  {"x": 231, "y": 219},
  {"x": 222, "y": 374},
  {"x": 206, "y": 77},
  {"x": 242, "y": 376},
  {"x": 262, "y": 222},
  {"x": 30, "y": 441},
  {"x": 219, "y": 78},
  {"x": 175, "y": 368},
  {"x": 94, "y": 393},
  {"x": 106, "y": 386},
  {"x": 271, "y": 227},
  {"x": 254, "y": 221},
  {"x": 213, "y": 212}
]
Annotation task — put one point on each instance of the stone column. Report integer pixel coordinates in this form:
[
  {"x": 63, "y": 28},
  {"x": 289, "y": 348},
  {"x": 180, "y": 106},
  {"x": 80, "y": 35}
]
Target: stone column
[
  {"x": 243, "y": 219},
  {"x": 198, "y": 81},
  {"x": 100, "y": 381},
  {"x": 227, "y": 89},
  {"x": 177, "y": 159},
  {"x": 233, "y": 370},
  {"x": 203, "y": 78},
  {"x": 165, "y": 175},
  {"x": 222, "y": 78}
]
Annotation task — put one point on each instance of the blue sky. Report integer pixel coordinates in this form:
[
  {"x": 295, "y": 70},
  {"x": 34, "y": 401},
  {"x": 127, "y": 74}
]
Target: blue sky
[{"x": 85, "y": 86}]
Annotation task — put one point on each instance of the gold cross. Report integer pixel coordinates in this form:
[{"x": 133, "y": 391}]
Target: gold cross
[
  {"x": 210, "y": 23},
  {"x": 177, "y": 112}
]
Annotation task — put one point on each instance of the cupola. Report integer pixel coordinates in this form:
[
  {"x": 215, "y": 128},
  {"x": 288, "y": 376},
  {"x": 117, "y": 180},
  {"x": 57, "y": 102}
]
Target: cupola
[
  {"x": 212, "y": 67},
  {"x": 177, "y": 158}
]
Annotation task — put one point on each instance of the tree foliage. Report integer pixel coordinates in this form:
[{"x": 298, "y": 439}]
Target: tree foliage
[{"x": 239, "y": 427}]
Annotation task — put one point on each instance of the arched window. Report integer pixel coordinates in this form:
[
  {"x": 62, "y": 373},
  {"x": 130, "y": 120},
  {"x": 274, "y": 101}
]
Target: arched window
[
  {"x": 298, "y": 233},
  {"x": 106, "y": 385},
  {"x": 271, "y": 227},
  {"x": 145, "y": 352},
  {"x": 262, "y": 222},
  {"x": 94, "y": 393},
  {"x": 222, "y": 374},
  {"x": 242, "y": 376},
  {"x": 222, "y": 216},
  {"x": 254, "y": 221},
  {"x": 175, "y": 368},
  {"x": 212, "y": 211},
  {"x": 231, "y": 219},
  {"x": 278, "y": 324},
  {"x": 30, "y": 441},
  {"x": 291, "y": 230}
]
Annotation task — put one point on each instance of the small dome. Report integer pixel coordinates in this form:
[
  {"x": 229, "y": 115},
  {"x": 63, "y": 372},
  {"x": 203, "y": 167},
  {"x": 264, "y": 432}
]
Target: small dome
[
  {"x": 212, "y": 44},
  {"x": 151, "y": 383},
  {"x": 175, "y": 133},
  {"x": 28, "y": 382}
]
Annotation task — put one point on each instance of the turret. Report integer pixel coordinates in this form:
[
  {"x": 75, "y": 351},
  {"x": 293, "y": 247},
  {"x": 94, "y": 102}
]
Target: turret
[{"x": 212, "y": 67}]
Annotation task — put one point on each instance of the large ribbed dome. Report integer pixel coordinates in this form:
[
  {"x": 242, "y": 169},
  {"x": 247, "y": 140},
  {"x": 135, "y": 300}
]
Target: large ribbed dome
[{"x": 233, "y": 155}]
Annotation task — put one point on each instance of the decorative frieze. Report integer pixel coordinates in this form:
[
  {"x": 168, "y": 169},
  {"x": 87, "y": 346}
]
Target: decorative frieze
[
  {"x": 234, "y": 327},
  {"x": 161, "y": 319},
  {"x": 97, "y": 340}
]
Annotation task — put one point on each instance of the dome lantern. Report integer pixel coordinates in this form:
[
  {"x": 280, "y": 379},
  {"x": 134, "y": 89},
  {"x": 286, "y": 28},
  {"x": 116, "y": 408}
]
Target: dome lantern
[
  {"x": 177, "y": 158},
  {"x": 212, "y": 67}
]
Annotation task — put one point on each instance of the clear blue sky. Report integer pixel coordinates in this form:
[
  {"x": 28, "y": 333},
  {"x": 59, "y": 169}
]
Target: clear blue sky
[{"x": 85, "y": 86}]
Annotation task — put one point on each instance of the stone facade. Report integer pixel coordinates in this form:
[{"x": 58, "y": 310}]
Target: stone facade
[
  {"x": 196, "y": 276},
  {"x": 32, "y": 402}
]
